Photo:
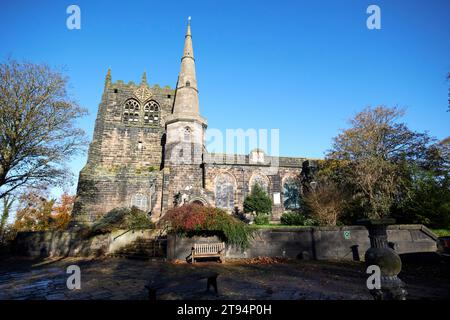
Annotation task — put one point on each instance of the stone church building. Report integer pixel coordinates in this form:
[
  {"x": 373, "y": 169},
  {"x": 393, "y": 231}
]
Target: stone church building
[{"x": 148, "y": 151}]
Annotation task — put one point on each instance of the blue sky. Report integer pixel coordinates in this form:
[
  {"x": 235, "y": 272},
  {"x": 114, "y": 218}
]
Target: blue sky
[{"x": 303, "y": 67}]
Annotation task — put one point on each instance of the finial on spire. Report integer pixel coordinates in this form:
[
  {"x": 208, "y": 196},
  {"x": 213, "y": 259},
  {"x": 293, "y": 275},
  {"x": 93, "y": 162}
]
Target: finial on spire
[
  {"x": 188, "y": 31},
  {"x": 108, "y": 77},
  {"x": 144, "y": 78}
]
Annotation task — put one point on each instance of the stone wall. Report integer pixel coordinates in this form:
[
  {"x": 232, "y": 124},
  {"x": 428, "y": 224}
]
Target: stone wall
[
  {"x": 242, "y": 174},
  {"x": 124, "y": 159},
  {"x": 69, "y": 243},
  {"x": 321, "y": 243}
]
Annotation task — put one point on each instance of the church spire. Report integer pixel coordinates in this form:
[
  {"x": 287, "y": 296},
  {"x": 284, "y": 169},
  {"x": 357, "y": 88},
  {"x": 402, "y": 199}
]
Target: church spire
[
  {"x": 185, "y": 128},
  {"x": 186, "y": 97}
]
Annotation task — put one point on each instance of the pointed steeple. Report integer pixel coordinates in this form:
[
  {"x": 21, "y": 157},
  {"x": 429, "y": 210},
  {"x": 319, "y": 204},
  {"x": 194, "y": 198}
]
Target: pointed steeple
[
  {"x": 144, "y": 78},
  {"x": 185, "y": 120},
  {"x": 108, "y": 78},
  {"x": 188, "y": 49},
  {"x": 186, "y": 104}
]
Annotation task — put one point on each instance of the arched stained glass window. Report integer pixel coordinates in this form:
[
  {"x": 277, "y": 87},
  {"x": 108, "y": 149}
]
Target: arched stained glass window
[
  {"x": 262, "y": 181},
  {"x": 291, "y": 194},
  {"x": 131, "y": 111},
  {"x": 224, "y": 191},
  {"x": 151, "y": 113}
]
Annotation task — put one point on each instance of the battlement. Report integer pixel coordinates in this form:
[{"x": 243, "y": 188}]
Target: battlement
[
  {"x": 250, "y": 160},
  {"x": 131, "y": 85}
]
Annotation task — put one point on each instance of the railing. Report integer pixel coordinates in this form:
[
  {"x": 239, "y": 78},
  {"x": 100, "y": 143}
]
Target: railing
[
  {"x": 159, "y": 235},
  {"x": 114, "y": 239}
]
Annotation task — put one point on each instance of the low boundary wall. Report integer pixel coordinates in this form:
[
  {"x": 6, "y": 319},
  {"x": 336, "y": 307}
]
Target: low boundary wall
[
  {"x": 321, "y": 243},
  {"x": 70, "y": 243}
]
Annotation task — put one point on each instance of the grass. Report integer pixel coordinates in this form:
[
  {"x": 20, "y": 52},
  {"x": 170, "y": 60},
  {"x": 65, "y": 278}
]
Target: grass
[
  {"x": 438, "y": 232},
  {"x": 441, "y": 232},
  {"x": 263, "y": 226}
]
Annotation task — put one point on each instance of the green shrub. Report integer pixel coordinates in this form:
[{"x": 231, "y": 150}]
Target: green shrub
[
  {"x": 310, "y": 222},
  {"x": 193, "y": 219},
  {"x": 261, "y": 219},
  {"x": 293, "y": 218},
  {"x": 257, "y": 201},
  {"x": 138, "y": 219},
  {"x": 121, "y": 218}
]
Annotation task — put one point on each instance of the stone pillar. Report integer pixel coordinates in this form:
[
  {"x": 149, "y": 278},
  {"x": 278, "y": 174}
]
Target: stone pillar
[{"x": 389, "y": 262}]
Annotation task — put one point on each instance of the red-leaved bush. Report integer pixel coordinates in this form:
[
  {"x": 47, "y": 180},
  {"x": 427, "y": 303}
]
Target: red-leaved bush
[
  {"x": 195, "y": 219},
  {"x": 190, "y": 217}
]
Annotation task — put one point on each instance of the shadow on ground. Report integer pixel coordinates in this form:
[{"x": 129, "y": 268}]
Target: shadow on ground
[{"x": 426, "y": 276}]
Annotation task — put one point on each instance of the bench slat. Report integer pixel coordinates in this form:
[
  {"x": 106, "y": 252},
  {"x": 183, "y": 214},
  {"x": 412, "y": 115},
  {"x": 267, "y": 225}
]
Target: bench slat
[{"x": 208, "y": 250}]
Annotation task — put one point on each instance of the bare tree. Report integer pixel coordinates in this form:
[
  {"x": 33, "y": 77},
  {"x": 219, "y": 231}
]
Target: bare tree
[
  {"x": 38, "y": 132},
  {"x": 325, "y": 201},
  {"x": 7, "y": 204}
]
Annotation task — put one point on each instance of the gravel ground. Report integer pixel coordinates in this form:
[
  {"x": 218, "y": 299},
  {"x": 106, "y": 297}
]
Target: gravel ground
[{"x": 426, "y": 276}]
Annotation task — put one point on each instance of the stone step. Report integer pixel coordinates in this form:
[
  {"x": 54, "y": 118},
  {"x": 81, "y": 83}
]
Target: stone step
[
  {"x": 149, "y": 241},
  {"x": 147, "y": 251},
  {"x": 143, "y": 249},
  {"x": 147, "y": 246},
  {"x": 133, "y": 256},
  {"x": 146, "y": 241}
]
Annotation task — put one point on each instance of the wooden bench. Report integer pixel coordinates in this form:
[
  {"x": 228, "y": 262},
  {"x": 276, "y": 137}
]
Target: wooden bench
[
  {"x": 157, "y": 284},
  {"x": 208, "y": 250}
]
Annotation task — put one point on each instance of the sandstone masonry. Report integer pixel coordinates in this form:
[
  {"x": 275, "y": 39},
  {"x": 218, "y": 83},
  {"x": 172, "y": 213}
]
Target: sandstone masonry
[{"x": 148, "y": 150}]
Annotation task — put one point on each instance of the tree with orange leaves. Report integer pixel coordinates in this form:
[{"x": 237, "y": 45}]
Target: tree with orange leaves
[
  {"x": 62, "y": 212},
  {"x": 40, "y": 214}
]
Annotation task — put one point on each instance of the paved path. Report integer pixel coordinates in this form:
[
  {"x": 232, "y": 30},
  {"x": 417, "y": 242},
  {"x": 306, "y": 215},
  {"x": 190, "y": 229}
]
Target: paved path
[{"x": 118, "y": 278}]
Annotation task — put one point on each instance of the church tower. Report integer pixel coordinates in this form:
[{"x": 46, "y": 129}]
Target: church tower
[
  {"x": 185, "y": 134},
  {"x": 185, "y": 127}
]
